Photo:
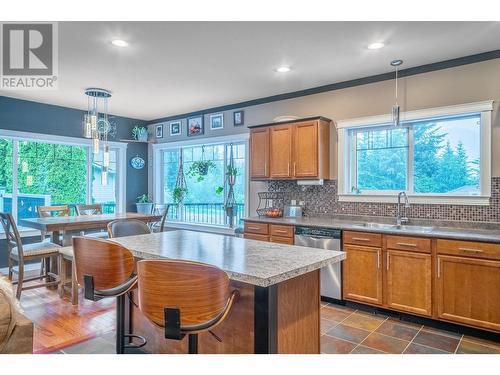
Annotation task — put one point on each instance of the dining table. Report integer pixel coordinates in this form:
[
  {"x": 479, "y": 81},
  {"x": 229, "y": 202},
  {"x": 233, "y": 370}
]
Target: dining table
[{"x": 63, "y": 228}]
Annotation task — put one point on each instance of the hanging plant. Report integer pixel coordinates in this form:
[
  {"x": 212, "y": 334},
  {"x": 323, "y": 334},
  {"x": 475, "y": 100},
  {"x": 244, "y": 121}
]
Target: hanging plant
[
  {"x": 180, "y": 190},
  {"x": 179, "y": 193},
  {"x": 199, "y": 169},
  {"x": 231, "y": 173}
]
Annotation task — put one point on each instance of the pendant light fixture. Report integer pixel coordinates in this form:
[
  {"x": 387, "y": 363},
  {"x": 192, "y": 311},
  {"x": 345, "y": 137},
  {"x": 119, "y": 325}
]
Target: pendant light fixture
[
  {"x": 395, "y": 108},
  {"x": 96, "y": 126}
]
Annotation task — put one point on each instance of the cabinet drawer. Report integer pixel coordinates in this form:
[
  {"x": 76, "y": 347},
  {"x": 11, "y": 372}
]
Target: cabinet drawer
[
  {"x": 258, "y": 237},
  {"x": 469, "y": 249},
  {"x": 257, "y": 228},
  {"x": 281, "y": 230},
  {"x": 363, "y": 238},
  {"x": 284, "y": 240},
  {"x": 422, "y": 245}
]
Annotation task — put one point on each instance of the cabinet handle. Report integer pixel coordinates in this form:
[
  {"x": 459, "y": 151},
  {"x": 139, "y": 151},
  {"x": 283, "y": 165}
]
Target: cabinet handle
[
  {"x": 406, "y": 244},
  {"x": 265, "y": 169},
  {"x": 294, "y": 168},
  {"x": 388, "y": 260},
  {"x": 280, "y": 231},
  {"x": 289, "y": 168},
  {"x": 439, "y": 268},
  {"x": 254, "y": 228},
  {"x": 469, "y": 250},
  {"x": 378, "y": 259},
  {"x": 360, "y": 239}
]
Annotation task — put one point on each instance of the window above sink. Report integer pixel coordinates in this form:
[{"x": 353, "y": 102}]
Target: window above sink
[{"x": 436, "y": 156}]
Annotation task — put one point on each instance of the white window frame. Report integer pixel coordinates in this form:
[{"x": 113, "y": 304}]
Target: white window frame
[
  {"x": 157, "y": 180},
  {"x": 121, "y": 152},
  {"x": 485, "y": 109}
]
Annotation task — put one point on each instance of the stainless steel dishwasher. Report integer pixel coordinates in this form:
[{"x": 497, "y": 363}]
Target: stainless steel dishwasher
[{"x": 326, "y": 239}]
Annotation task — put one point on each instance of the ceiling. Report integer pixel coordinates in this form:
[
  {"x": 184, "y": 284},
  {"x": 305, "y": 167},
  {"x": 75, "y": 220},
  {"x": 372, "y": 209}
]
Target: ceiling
[{"x": 178, "y": 67}]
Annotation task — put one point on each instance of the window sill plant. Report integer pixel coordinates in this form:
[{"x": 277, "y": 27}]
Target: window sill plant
[{"x": 144, "y": 204}]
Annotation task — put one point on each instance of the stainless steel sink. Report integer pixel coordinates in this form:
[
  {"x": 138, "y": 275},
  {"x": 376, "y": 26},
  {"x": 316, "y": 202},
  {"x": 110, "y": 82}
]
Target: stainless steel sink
[{"x": 412, "y": 228}]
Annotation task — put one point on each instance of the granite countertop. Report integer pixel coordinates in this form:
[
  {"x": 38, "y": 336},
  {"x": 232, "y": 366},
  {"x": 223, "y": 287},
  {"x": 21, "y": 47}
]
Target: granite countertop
[
  {"x": 249, "y": 261},
  {"x": 425, "y": 228}
]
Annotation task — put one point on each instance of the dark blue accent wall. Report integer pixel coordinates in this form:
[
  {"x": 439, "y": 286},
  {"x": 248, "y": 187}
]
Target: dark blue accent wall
[{"x": 33, "y": 117}]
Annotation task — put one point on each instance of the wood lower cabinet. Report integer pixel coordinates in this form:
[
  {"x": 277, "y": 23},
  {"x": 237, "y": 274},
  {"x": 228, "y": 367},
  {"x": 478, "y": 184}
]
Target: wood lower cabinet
[
  {"x": 269, "y": 232},
  {"x": 408, "y": 285},
  {"x": 362, "y": 274},
  {"x": 468, "y": 291},
  {"x": 259, "y": 151},
  {"x": 258, "y": 237}
]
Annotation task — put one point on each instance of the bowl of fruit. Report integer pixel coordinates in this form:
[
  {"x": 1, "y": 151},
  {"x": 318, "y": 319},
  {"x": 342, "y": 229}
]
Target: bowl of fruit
[{"x": 274, "y": 212}]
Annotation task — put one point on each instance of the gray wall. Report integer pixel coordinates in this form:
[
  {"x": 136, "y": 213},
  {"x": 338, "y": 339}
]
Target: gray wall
[
  {"x": 458, "y": 85},
  {"x": 33, "y": 117}
]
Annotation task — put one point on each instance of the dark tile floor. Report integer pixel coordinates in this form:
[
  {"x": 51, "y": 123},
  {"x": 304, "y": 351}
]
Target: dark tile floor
[{"x": 345, "y": 330}]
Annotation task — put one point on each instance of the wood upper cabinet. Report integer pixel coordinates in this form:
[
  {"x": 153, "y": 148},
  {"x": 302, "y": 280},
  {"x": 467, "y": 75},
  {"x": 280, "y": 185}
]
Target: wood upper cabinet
[
  {"x": 297, "y": 150},
  {"x": 468, "y": 291},
  {"x": 408, "y": 281},
  {"x": 280, "y": 151},
  {"x": 259, "y": 153},
  {"x": 362, "y": 274}
]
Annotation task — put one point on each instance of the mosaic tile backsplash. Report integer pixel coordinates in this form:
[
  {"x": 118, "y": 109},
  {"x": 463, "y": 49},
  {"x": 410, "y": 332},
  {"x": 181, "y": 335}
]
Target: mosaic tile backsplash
[{"x": 323, "y": 200}]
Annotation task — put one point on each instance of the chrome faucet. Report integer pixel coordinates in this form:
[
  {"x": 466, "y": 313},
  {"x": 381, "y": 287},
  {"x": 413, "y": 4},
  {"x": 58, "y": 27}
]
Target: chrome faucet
[{"x": 400, "y": 219}]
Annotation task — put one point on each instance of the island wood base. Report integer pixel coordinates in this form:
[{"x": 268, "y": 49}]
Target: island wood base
[{"x": 283, "y": 318}]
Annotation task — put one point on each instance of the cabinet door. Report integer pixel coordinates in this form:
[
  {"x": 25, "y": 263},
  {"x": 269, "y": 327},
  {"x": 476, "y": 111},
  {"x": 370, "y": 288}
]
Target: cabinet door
[
  {"x": 280, "y": 151},
  {"x": 362, "y": 276},
  {"x": 468, "y": 291},
  {"x": 259, "y": 153},
  {"x": 408, "y": 282},
  {"x": 305, "y": 160},
  {"x": 258, "y": 237},
  {"x": 283, "y": 240}
]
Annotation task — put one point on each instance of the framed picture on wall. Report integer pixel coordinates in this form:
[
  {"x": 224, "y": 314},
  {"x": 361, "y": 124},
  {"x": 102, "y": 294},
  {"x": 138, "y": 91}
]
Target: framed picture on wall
[
  {"x": 195, "y": 125},
  {"x": 159, "y": 131},
  {"x": 217, "y": 121},
  {"x": 175, "y": 128},
  {"x": 238, "y": 118}
]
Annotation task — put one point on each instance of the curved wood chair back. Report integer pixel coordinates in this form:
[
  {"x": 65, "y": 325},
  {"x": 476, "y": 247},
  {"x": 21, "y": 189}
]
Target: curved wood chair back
[
  {"x": 88, "y": 209},
  {"x": 12, "y": 236},
  {"x": 127, "y": 227},
  {"x": 49, "y": 211},
  {"x": 109, "y": 263},
  {"x": 200, "y": 291}
]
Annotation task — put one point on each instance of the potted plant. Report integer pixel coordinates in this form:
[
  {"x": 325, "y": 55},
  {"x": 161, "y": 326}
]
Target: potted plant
[
  {"x": 199, "y": 169},
  {"x": 231, "y": 173},
  {"x": 144, "y": 204},
  {"x": 179, "y": 193},
  {"x": 140, "y": 133}
]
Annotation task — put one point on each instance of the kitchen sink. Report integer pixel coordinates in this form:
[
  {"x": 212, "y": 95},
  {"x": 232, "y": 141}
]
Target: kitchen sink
[{"x": 412, "y": 228}]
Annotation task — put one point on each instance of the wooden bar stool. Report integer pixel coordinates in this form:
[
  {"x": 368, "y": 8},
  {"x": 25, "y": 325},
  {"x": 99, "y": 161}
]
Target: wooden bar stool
[
  {"x": 106, "y": 269},
  {"x": 184, "y": 298}
]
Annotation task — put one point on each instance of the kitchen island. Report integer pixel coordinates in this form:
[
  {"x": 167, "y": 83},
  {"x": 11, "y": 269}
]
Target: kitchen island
[{"x": 279, "y": 306}]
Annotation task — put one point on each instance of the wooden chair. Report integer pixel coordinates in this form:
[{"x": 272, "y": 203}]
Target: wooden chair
[
  {"x": 50, "y": 211},
  {"x": 106, "y": 269},
  {"x": 184, "y": 298},
  {"x": 127, "y": 227},
  {"x": 19, "y": 254},
  {"x": 159, "y": 209},
  {"x": 87, "y": 210}
]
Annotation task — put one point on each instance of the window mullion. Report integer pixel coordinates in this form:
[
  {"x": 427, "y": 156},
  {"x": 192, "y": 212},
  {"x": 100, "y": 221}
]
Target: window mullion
[
  {"x": 15, "y": 162},
  {"x": 411, "y": 159}
]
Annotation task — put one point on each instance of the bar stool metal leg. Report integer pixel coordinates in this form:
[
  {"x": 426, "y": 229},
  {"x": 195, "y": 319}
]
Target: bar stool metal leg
[
  {"x": 120, "y": 324},
  {"x": 193, "y": 343}
]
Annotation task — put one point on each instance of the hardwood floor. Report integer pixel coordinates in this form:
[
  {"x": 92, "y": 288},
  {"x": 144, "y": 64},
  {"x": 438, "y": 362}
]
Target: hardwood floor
[{"x": 59, "y": 324}]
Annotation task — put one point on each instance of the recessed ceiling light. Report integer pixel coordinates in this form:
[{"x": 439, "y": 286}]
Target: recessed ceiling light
[
  {"x": 283, "y": 69},
  {"x": 376, "y": 45},
  {"x": 119, "y": 43}
]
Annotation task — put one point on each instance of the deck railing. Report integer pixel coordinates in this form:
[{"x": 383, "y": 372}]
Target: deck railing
[{"x": 204, "y": 213}]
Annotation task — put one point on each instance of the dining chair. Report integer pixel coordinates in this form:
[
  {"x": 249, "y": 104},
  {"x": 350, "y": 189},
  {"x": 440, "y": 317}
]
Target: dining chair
[
  {"x": 159, "y": 209},
  {"x": 88, "y": 210},
  {"x": 51, "y": 211},
  {"x": 19, "y": 254},
  {"x": 127, "y": 227},
  {"x": 184, "y": 298},
  {"x": 106, "y": 270}
]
